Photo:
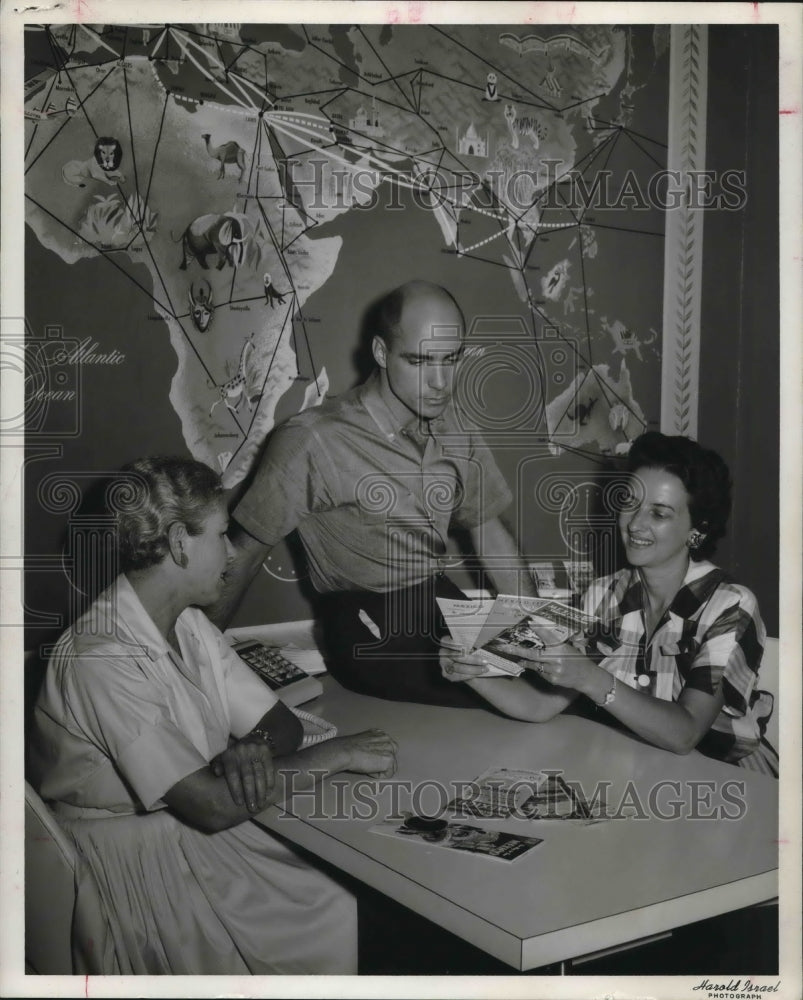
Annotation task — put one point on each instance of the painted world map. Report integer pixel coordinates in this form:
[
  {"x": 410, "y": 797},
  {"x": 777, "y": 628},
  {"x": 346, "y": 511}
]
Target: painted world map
[{"x": 261, "y": 184}]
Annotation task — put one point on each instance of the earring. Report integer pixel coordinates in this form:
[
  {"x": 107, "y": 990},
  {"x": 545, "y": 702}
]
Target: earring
[{"x": 695, "y": 539}]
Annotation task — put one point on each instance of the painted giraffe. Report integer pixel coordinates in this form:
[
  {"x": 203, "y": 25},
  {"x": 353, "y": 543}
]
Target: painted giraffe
[{"x": 234, "y": 389}]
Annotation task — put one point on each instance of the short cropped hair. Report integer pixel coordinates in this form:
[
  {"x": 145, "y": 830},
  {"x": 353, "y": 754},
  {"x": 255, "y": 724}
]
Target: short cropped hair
[
  {"x": 152, "y": 494},
  {"x": 391, "y": 307},
  {"x": 704, "y": 475}
]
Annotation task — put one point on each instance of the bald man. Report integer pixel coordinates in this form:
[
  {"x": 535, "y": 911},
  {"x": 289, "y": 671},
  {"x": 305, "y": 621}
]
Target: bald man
[{"x": 373, "y": 481}]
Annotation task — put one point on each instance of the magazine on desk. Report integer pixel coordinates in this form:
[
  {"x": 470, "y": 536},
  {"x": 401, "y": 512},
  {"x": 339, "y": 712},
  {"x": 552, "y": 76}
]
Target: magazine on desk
[
  {"x": 457, "y": 837},
  {"x": 512, "y": 630}
]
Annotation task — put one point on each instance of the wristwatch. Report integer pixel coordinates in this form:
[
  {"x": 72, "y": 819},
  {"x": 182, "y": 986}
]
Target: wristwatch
[
  {"x": 609, "y": 695},
  {"x": 266, "y": 737}
]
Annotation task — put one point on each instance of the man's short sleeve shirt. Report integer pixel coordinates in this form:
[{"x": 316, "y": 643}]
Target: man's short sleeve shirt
[{"x": 373, "y": 501}]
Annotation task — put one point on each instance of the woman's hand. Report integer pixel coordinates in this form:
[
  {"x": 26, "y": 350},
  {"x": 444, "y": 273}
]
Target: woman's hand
[
  {"x": 457, "y": 664},
  {"x": 247, "y": 766},
  {"x": 563, "y": 666},
  {"x": 370, "y": 752}
]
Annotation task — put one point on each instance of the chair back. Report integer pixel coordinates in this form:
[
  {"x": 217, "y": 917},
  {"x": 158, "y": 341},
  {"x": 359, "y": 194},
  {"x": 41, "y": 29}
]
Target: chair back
[{"x": 49, "y": 890}]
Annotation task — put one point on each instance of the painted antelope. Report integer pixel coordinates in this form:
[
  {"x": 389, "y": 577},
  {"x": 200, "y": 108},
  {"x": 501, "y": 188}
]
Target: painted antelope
[{"x": 235, "y": 388}]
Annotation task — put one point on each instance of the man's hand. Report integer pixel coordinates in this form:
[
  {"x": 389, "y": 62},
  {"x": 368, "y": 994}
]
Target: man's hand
[
  {"x": 499, "y": 554},
  {"x": 247, "y": 766}
]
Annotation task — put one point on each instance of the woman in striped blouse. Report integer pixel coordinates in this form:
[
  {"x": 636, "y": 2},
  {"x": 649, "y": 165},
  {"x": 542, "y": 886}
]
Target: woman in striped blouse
[{"x": 676, "y": 650}]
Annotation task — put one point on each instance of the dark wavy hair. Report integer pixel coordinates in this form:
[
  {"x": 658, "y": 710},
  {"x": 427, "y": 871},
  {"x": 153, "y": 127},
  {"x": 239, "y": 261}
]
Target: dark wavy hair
[
  {"x": 703, "y": 473},
  {"x": 153, "y": 493}
]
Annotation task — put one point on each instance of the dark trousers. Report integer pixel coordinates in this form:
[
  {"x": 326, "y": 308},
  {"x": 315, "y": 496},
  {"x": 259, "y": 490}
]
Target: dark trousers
[{"x": 401, "y": 664}]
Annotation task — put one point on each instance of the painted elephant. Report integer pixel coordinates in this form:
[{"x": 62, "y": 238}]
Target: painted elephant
[{"x": 220, "y": 234}]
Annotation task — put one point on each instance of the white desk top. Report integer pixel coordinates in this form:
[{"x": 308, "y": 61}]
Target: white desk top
[{"x": 584, "y": 888}]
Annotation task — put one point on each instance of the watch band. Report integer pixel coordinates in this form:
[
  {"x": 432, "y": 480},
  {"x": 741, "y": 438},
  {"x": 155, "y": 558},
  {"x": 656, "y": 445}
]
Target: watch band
[
  {"x": 265, "y": 736},
  {"x": 610, "y": 695}
]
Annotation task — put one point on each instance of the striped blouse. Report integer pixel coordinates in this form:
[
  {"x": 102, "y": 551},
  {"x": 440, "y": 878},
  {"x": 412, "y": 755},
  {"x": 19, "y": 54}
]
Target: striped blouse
[{"x": 710, "y": 636}]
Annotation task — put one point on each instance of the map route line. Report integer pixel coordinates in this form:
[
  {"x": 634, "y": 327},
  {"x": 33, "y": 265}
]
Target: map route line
[
  {"x": 305, "y": 152},
  {"x": 608, "y": 391},
  {"x": 335, "y": 97},
  {"x": 67, "y": 121},
  {"x": 222, "y": 59},
  {"x": 637, "y": 144},
  {"x": 627, "y": 129},
  {"x": 286, "y": 246},
  {"x": 337, "y": 61},
  {"x": 302, "y": 133},
  {"x": 285, "y": 180},
  {"x": 231, "y": 285},
  {"x": 256, "y": 155},
  {"x": 243, "y": 49},
  {"x": 184, "y": 45},
  {"x": 157, "y": 42},
  {"x": 502, "y": 97},
  {"x": 34, "y": 131},
  {"x": 545, "y": 104},
  {"x": 585, "y": 100},
  {"x": 126, "y": 31},
  {"x": 303, "y": 321},
  {"x": 466, "y": 250},
  {"x": 99, "y": 39},
  {"x": 130, "y": 140},
  {"x": 148, "y": 292},
  {"x": 584, "y": 286},
  {"x": 391, "y": 78},
  {"x": 624, "y": 229},
  {"x": 277, "y": 245},
  {"x": 486, "y": 260},
  {"x": 245, "y": 85},
  {"x": 606, "y": 145},
  {"x": 260, "y": 395},
  {"x": 440, "y": 150},
  {"x": 298, "y": 94},
  {"x": 489, "y": 213},
  {"x": 571, "y": 344},
  {"x": 312, "y": 125},
  {"x": 381, "y": 165}
]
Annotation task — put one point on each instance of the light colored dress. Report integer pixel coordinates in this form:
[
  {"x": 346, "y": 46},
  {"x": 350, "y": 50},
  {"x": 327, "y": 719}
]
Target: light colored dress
[{"x": 119, "y": 721}]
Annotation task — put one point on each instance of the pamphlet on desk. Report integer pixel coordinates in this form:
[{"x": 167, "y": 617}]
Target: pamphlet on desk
[
  {"x": 457, "y": 837},
  {"x": 511, "y": 630}
]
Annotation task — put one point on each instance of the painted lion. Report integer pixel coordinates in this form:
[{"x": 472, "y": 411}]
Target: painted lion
[{"x": 102, "y": 166}]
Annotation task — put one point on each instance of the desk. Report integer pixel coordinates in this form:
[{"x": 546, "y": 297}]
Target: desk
[{"x": 585, "y": 888}]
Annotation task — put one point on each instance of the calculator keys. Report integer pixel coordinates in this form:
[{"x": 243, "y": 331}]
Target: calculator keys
[{"x": 271, "y": 665}]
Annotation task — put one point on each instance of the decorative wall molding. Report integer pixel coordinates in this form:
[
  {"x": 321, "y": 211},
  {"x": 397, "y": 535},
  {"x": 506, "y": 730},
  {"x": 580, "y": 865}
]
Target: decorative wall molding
[{"x": 683, "y": 255}]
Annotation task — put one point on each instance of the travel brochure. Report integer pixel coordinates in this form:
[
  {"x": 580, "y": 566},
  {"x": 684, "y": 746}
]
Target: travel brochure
[
  {"x": 457, "y": 837},
  {"x": 510, "y": 630},
  {"x": 502, "y": 793}
]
